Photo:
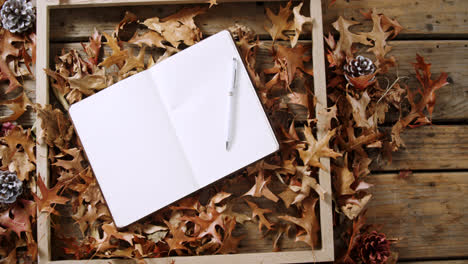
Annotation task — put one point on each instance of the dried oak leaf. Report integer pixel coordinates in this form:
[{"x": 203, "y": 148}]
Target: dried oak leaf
[
  {"x": 18, "y": 105},
  {"x": 17, "y": 136},
  {"x": 260, "y": 188},
  {"x": 346, "y": 41},
  {"x": 128, "y": 18},
  {"x": 316, "y": 149},
  {"x": 18, "y": 218},
  {"x": 308, "y": 183},
  {"x": 93, "y": 48},
  {"x": 230, "y": 243},
  {"x": 380, "y": 47},
  {"x": 359, "y": 111},
  {"x": 49, "y": 198},
  {"x": 289, "y": 63},
  {"x": 308, "y": 222},
  {"x": 87, "y": 215},
  {"x": 21, "y": 164},
  {"x": 354, "y": 206},
  {"x": 179, "y": 27},
  {"x": 7, "y": 50},
  {"x": 260, "y": 212},
  {"x": 206, "y": 223},
  {"x": 178, "y": 237},
  {"x": 111, "y": 230},
  {"x": 328, "y": 114},
  {"x": 281, "y": 230},
  {"x": 57, "y": 128},
  {"x": 299, "y": 21},
  {"x": 279, "y": 22},
  {"x": 427, "y": 99},
  {"x": 75, "y": 164},
  {"x": 150, "y": 39}
]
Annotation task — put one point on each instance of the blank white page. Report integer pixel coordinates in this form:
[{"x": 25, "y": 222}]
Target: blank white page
[
  {"x": 194, "y": 87},
  {"x": 132, "y": 148}
]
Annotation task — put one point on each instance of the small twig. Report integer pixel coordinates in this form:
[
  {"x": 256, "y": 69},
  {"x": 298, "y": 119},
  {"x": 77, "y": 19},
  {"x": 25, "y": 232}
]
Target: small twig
[{"x": 390, "y": 87}]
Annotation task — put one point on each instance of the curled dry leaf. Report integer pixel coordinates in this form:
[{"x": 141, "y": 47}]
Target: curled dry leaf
[
  {"x": 93, "y": 47},
  {"x": 230, "y": 243},
  {"x": 354, "y": 206},
  {"x": 17, "y": 136},
  {"x": 18, "y": 105},
  {"x": 260, "y": 188},
  {"x": 260, "y": 212},
  {"x": 179, "y": 27},
  {"x": 316, "y": 149},
  {"x": 8, "y": 50},
  {"x": 308, "y": 221},
  {"x": 289, "y": 63},
  {"x": 49, "y": 197},
  {"x": 150, "y": 39},
  {"x": 57, "y": 128}
]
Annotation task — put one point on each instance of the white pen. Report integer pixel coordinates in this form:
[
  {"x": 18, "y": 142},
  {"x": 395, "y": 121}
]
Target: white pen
[{"x": 230, "y": 104}]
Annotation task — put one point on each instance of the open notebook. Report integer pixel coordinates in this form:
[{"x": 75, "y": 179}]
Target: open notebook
[{"x": 159, "y": 135}]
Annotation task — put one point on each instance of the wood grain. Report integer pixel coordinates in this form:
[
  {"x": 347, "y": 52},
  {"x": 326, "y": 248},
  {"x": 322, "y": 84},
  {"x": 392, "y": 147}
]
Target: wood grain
[
  {"x": 42, "y": 97},
  {"x": 427, "y": 212},
  {"x": 431, "y": 148},
  {"x": 422, "y": 19}
]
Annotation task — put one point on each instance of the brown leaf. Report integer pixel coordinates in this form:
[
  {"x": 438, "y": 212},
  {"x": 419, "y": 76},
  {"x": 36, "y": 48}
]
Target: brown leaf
[
  {"x": 347, "y": 39},
  {"x": 316, "y": 149},
  {"x": 363, "y": 81},
  {"x": 260, "y": 188},
  {"x": 289, "y": 63},
  {"x": 299, "y": 21},
  {"x": 17, "y": 136},
  {"x": 282, "y": 230},
  {"x": 212, "y": 3},
  {"x": 75, "y": 164},
  {"x": 22, "y": 214},
  {"x": 353, "y": 207},
  {"x": 178, "y": 238},
  {"x": 8, "y": 50},
  {"x": 308, "y": 222},
  {"x": 328, "y": 114},
  {"x": 18, "y": 105},
  {"x": 179, "y": 27},
  {"x": 49, "y": 198},
  {"x": 21, "y": 165},
  {"x": 230, "y": 242},
  {"x": 359, "y": 111},
  {"x": 93, "y": 48},
  {"x": 380, "y": 47},
  {"x": 260, "y": 212},
  {"x": 279, "y": 22},
  {"x": 309, "y": 183},
  {"x": 150, "y": 39},
  {"x": 57, "y": 128},
  {"x": 111, "y": 230},
  {"x": 427, "y": 98}
]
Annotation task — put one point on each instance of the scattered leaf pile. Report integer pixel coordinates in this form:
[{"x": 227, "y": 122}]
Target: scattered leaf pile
[
  {"x": 275, "y": 198},
  {"x": 17, "y": 146}
]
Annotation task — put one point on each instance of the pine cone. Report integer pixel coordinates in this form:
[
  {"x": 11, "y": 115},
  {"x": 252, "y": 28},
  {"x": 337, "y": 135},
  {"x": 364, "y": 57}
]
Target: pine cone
[
  {"x": 10, "y": 187},
  {"x": 359, "y": 66},
  {"x": 17, "y": 15},
  {"x": 373, "y": 248}
]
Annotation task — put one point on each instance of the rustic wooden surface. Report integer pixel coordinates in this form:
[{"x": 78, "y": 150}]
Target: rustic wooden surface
[{"x": 426, "y": 211}]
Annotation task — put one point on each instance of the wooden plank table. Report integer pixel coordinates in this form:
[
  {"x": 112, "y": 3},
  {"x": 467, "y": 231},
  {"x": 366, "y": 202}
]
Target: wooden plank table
[{"x": 427, "y": 211}]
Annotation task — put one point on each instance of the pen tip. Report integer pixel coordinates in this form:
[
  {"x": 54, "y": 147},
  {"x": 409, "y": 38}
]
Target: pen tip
[{"x": 227, "y": 145}]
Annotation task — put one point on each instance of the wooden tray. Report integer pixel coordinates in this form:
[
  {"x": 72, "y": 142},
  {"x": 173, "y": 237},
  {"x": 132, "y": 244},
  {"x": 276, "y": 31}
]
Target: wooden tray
[{"x": 325, "y": 253}]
